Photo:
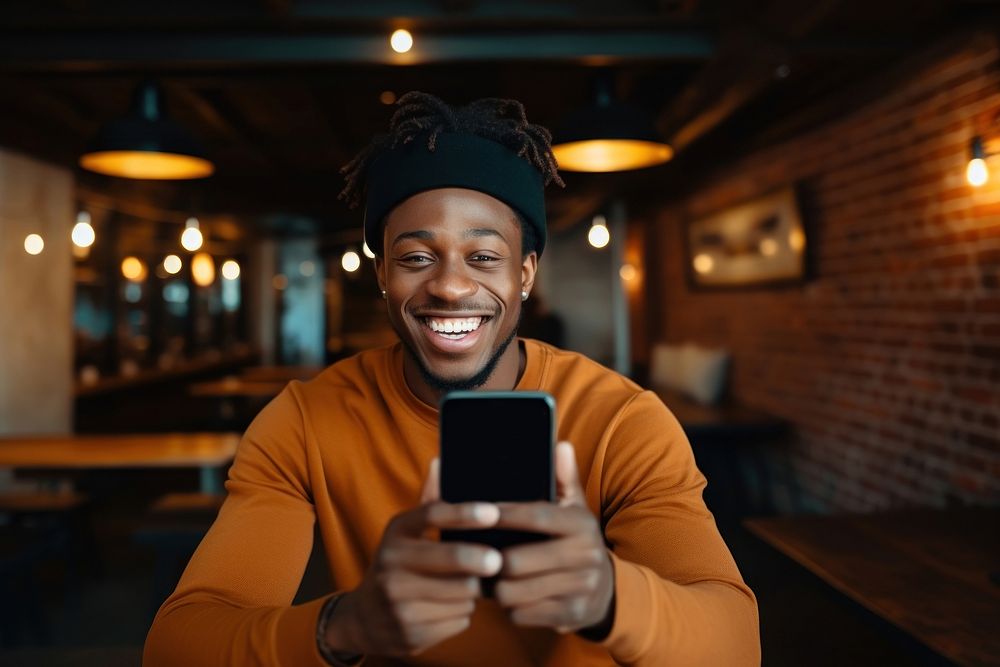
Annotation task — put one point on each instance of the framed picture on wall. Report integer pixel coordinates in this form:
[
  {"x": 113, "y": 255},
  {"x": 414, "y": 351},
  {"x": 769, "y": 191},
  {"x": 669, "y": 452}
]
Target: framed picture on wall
[{"x": 759, "y": 242}]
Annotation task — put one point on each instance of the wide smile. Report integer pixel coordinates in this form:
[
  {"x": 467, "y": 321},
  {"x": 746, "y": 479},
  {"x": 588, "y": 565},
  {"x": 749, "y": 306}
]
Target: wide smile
[{"x": 452, "y": 334}]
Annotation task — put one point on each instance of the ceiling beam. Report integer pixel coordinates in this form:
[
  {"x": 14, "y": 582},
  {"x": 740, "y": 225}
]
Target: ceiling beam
[{"x": 108, "y": 50}]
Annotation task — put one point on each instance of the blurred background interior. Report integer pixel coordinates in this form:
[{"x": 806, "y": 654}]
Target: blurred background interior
[{"x": 797, "y": 246}]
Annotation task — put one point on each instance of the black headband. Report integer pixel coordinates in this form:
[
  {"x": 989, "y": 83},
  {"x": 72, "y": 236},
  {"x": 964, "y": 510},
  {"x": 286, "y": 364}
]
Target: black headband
[{"x": 457, "y": 161}]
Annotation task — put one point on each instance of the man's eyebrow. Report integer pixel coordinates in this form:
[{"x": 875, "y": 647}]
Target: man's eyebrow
[
  {"x": 419, "y": 234},
  {"x": 478, "y": 232}
]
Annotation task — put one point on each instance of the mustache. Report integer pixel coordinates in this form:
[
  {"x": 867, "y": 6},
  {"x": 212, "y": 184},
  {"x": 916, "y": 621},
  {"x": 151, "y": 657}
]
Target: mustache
[{"x": 438, "y": 306}]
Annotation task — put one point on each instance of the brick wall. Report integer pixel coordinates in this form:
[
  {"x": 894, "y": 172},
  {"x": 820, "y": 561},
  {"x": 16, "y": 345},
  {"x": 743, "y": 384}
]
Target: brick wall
[{"x": 887, "y": 360}]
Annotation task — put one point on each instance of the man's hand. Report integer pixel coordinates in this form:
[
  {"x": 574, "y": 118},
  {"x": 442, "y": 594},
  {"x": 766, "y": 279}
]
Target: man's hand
[
  {"x": 566, "y": 583},
  {"x": 418, "y": 591}
]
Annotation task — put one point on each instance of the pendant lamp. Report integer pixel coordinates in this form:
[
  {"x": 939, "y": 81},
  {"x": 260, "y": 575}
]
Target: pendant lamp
[
  {"x": 146, "y": 144},
  {"x": 609, "y": 136}
]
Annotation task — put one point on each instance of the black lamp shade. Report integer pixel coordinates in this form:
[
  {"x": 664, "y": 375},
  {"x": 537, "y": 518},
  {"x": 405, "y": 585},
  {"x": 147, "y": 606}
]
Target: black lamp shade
[{"x": 146, "y": 144}]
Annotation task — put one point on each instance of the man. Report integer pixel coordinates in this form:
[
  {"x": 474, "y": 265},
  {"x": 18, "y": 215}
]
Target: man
[{"x": 635, "y": 571}]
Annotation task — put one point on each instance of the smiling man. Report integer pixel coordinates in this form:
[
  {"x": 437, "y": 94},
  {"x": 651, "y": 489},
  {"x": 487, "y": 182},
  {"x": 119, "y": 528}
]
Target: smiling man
[{"x": 634, "y": 572}]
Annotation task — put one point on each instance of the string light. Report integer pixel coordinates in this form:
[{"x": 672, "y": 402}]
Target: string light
[
  {"x": 230, "y": 269},
  {"x": 172, "y": 264},
  {"x": 401, "y": 41},
  {"x": 191, "y": 238},
  {"x": 350, "y": 261},
  {"x": 33, "y": 244},
  {"x": 83, "y": 233}
]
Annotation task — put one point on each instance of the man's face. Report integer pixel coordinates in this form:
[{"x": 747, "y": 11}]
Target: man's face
[{"x": 453, "y": 274}]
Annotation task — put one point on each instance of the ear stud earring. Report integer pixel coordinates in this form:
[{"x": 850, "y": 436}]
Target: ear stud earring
[
  {"x": 383, "y": 294},
  {"x": 524, "y": 295}
]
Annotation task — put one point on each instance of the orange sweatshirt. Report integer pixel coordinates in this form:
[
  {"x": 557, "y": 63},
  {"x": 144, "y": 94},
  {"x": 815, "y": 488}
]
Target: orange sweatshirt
[{"x": 351, "y": 448}]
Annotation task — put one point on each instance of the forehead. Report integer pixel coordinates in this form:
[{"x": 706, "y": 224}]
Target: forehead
[{"x": 453, "y": 210}]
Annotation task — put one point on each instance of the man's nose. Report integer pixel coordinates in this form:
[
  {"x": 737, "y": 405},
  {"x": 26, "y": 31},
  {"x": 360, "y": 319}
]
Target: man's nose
[{"x": 452, "y": 282}]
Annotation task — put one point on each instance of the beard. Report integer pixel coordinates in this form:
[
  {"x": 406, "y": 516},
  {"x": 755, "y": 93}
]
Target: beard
[{"x": 445, "y": 385}]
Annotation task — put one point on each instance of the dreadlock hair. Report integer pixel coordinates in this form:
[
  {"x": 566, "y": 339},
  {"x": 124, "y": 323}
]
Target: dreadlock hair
[{"x": 503, "y": 121}]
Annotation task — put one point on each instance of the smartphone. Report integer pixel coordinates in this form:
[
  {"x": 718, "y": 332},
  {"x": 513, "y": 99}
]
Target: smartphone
[{"x": 497, "y": 446}]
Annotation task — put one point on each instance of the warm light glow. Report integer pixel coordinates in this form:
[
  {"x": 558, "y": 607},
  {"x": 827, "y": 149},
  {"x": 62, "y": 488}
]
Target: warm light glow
[
  {"x": 367, "y": 251},
  {"x": 230, "y": 269},
  {"x": 191, "y": 238},
  {"x": 83, "y": 234},
  {"x": 147, "y": 164},
  {"x": 768, "y": 247},
  {"x": 280, "y": 281},
  {"x": 976, "y": 173},
  {"x": 203, "y": 269},
  {"x": 134, "y": 269},
  {"x": 599, "y": 236},
  {"x": 628, "y": 272},
  {"x": 350, "y": 261},
  {"x": 401, "y": 41},
  {"x": 307, "y": 268},
  {"x": 704, "y": 263},
  {"x": 387, "y": 97},
  {"x": 601, "y": 155},
  {"x": 172, "y": 264},
  {"x": 797, "y": 239},
  {"x": 33, "y": 244}
]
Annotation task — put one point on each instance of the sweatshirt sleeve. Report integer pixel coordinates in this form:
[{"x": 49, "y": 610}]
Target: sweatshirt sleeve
[
  {"x": 233, "y": 603},
  {"x": 680, "y": 597}
]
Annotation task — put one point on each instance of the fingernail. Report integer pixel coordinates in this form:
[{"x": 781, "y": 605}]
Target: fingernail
[
  {"x": 492, "y": 562},
  {"x": 487, "y": 514}
]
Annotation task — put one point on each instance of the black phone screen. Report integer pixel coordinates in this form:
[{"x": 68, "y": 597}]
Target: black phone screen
[{"x": 497, "y": 447}]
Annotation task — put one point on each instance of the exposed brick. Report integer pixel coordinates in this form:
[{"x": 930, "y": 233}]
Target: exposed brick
[{"x": 888, "y": 361}]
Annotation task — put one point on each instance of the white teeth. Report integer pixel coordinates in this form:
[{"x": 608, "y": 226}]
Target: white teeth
[{"x": 454, "y": 325}]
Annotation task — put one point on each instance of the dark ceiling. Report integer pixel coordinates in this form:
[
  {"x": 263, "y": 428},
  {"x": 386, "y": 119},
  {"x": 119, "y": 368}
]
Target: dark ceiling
[{"x": 283, "y": 92}]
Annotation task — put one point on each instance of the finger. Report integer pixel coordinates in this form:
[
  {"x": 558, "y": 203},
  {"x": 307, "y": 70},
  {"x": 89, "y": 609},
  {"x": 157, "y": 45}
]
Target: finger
[
  {"x": 413, "y": 523},
  {"x": 532, "y": 590},
  {"x": 440, "y": 558},
  {"x": 423, "y": 612},
  {"x": 562, "y": 613},
  {"x": 400, "y": 585},
  {"x": 432, "y": 485},
  {"x": 422, "y": 637},
  {"x": 570, "y": 553},
  {"x": 568, "y": 488},
  {"x": 547, "y": 518}
]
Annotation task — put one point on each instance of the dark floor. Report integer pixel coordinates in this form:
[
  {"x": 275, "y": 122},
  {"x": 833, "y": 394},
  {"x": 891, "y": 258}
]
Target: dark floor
[{"x": 105, "y": 617}]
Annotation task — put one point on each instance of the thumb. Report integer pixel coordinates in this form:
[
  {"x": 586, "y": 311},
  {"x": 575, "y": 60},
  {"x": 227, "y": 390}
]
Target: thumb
[
  {"x": 568, "y": 489},
  {"x": 432, "y": 485}
]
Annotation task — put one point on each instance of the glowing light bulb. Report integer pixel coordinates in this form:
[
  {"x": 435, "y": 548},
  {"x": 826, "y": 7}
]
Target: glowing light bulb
[
  {"x": 703, "y": 263},
  {"x": 191, "y": 238},
  {"x": 133, "y": 269},
  {"x": 976, "y": 173},
  {"x": 203, "y": 269},
  {"x": 33, "y": 244},
  {"x": 401, "y": 41},
  {"x": 599, "y": 236},
  {"x": 350, "y": 261},
  {"x": 367, "y": 251},
  {"x": 83, "y": 234},
  {"x": 172, "y": 264},
  {"x": 230, "y": 269}
]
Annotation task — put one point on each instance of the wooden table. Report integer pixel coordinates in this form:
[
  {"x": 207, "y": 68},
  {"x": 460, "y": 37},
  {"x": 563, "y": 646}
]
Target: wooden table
[
  {"x": 935, "y": 574},
  {"x": 280, "y": 373},
  {"x": 205, "y": 451},
  {"x": 234, "y": 387}
]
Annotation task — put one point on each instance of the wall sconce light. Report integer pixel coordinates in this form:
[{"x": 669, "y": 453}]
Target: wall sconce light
[{"x": 976, "y": 172}]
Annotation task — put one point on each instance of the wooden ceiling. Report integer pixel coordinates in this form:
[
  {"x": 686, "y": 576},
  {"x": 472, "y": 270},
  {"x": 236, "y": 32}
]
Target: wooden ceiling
[{"x": 283, "y": 92}]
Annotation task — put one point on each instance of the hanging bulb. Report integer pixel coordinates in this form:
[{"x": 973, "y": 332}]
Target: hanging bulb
[
  {"x": 191, "y": 238},
  {"x": 350, "y": 261},
  {"x": 401, "y": 41},
  {"x": 976, "y": 172},
  {"x": 599, "y": 236},
  {"x": 83, "y": 233}
]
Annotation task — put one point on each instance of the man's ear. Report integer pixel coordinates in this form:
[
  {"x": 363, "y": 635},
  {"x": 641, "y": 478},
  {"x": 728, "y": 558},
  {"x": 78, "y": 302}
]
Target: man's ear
[
  {"x": 529, "y": 266},
  {"x": 380, "y": 272}
]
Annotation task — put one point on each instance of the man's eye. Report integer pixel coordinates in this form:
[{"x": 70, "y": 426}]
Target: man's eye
[
  {"x": 484, "y": 258},
  {"x": 416, "y": 259}
]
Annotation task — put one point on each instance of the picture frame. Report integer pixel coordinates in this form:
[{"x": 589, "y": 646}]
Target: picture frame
[{"x": 761, "y": 242}]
